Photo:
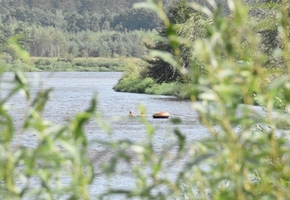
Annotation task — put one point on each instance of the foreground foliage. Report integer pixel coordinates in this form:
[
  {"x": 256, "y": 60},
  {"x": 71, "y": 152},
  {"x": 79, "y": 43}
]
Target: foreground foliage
[
  {"x": 246, "y": 155},
  {"x": 54, "y": 168}
]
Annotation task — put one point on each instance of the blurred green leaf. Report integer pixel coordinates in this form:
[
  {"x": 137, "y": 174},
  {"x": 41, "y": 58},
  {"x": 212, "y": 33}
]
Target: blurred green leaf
[
  {"x": 14, "y": 44},
  {"x": 181, "y": 140},
  {"x": 176, "y": 120}
]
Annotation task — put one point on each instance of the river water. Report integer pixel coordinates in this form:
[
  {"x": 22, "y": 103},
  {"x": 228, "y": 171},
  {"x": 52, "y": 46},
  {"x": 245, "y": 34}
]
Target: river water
[{"x": 72, "y": 92}]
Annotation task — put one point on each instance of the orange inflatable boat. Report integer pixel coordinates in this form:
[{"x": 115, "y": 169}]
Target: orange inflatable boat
[{"x": 161, "y": 115}]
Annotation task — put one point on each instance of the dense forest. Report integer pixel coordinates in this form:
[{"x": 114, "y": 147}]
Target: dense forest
[
  {"x": 75, "y": 16},
  {"x": 71, "y": 29}
]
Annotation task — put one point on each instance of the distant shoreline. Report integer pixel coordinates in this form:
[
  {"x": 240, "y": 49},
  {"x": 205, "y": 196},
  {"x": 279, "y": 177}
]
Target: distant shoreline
[{"x": 79, "y": 64}]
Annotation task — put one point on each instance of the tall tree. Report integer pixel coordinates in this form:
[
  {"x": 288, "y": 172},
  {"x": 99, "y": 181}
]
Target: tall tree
[{"x": 160, "y": 70}]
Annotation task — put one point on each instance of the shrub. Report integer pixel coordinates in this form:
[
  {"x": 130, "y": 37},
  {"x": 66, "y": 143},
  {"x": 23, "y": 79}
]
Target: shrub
[
  {"x": 43, "y": 62},
  {"x": 134, "y": 84},
  {"x": 61, "y": 66}
]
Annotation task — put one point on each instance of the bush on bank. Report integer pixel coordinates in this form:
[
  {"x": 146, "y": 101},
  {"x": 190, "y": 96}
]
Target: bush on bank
[
  {"x": 135, "y": 80},
  {"x": 136, "y": 84}
]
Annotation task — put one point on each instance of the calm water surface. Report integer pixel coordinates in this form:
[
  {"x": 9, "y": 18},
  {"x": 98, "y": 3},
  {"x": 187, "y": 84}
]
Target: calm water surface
[{"x": 74, "y": 90}]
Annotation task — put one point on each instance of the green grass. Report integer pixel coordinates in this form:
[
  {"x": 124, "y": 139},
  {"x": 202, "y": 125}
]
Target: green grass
[{"x": 42, "y": 64}]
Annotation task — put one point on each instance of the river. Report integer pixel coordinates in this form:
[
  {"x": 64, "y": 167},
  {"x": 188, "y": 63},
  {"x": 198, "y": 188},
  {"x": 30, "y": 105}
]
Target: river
[{"x": 72, "y": 92}]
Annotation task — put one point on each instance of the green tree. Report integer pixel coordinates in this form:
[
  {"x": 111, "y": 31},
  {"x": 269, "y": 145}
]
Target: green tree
[
  {"x": 73, "y": 21},
  {"x": 48, "y": 42},
  {"x": 136, "y": 19},
  {"x": 266, "y": 24},
  {"x": 160, "y": 70}
]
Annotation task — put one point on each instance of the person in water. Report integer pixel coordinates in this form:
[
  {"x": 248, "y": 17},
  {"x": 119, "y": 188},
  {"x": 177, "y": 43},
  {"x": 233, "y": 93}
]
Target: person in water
[{"x": 131, "y": 114}]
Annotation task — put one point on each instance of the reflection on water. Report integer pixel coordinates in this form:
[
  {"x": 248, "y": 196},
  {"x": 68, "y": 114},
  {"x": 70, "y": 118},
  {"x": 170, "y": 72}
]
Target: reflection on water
[{"x": 72, "y": 94}]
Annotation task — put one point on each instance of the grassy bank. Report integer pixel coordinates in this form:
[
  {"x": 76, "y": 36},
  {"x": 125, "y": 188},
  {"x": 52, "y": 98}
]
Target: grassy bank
[{"x": 41, "y": 64}]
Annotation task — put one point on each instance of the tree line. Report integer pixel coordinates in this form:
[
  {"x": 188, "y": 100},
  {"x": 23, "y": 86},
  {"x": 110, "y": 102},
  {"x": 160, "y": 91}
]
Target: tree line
[
  {"x": 75, "y": 28},
  {"x": 53, "y": 42},
  {"x": 130, "y": 19},
  {"x": 75, "y": 16}
]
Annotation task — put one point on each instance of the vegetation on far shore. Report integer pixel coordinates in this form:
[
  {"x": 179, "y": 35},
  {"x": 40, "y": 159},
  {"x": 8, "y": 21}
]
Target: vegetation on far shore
[
  {"x": 132, "y": 80},
  {"x": 43, "y": 64}
]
